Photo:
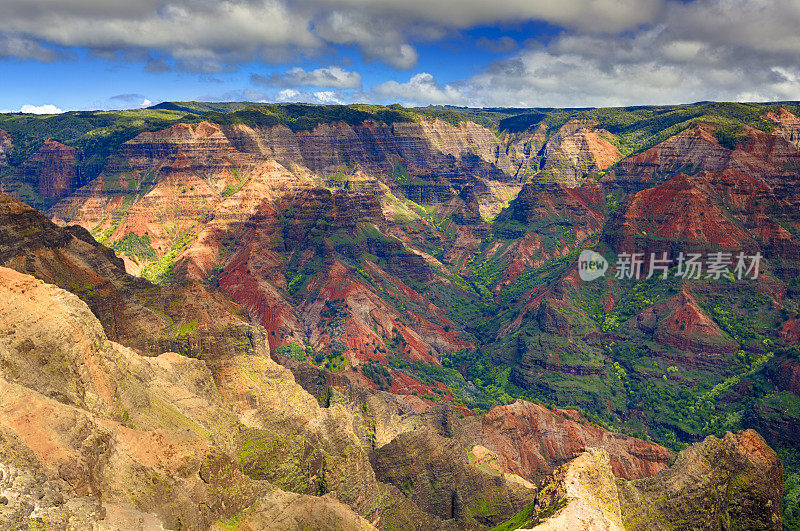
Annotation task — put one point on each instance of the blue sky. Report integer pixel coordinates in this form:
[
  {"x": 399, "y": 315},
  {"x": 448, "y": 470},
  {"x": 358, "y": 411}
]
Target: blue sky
[{"x": 91, "y": 54}]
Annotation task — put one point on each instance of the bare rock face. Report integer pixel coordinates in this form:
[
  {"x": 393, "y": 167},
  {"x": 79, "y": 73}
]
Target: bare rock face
[
  {"x": 434, "y": 472},
  {"x": 695, "y": 148},
  {"x": 567, "y": 156},
  {"x": 725, "y": 209},
  {"x": 30, "y": 499},
  {"x": 576, "y": 151},
  {"x": 730, "y": 483},
  {"x": 679, "y": 322},
  {"x": 532, "y": 441},
  {"x": 133, "y": 311},
  {"x": 429, "y": 161},
  {"x": 296, "y": 512},
  {"x": 428, "y": 144},
  {"x": 788, "y": 126},
  {"x": 154, "y": 434},
  {"x": 74, "y": 431},
  {"x": 54, "y": 168},
  {"x": 526, "y": 150},
  {"x": 582, "y": 495},
  {"x": 180, "y": 148},
  {"x": 546, "y": 200}
]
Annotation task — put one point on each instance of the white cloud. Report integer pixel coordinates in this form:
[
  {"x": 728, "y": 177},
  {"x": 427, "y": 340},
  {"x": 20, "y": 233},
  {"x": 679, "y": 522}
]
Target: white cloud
[
  {"x": 421, "y": 89},
  {"x": 328, "y": 97},
  {"x": 146, "y": 103},
  {"x": 40, "y": 109},
  {"x": 288, "y": 95},
  {"x": 333, "y": 77}
]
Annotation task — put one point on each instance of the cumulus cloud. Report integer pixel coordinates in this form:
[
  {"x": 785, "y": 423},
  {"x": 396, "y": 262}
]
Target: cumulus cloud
[
  {"x": 421, "y": 89},
  {"x": 333, "y": 77},
  {"x": 36, "y": 109},
  {"x": 328, "y": 97}
]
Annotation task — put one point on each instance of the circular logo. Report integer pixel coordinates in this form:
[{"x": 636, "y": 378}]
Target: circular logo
[{"x": 591, "y": 265}]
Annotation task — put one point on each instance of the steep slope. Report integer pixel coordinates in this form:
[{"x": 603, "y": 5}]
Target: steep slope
[
  {"x": 5, "y": 144},
  {"x": 727, "y": 483},
  {"x": 585, "y": 488},
  {"x": 185, "y": 318},
  {"x": 118, "y": 437},
  {"x": 191, "y": 204},
  {"x": 531, "y": 440},
  {"x": 112, "y": 425},
  {"x": 578, "y": 150}
]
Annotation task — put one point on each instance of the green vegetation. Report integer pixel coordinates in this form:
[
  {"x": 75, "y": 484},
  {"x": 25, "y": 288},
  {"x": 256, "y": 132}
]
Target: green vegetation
[
  {"x": 304, "y": 117},
  {"x": 791, "y": 490},
  {"x": 296, "y": 351},
  {"x": 528, "y": 517},
  {"x": 288, "y": 461},
  {"x": 162, "y": 270},
  {"x": 97, "y": 134},
  {"x": 134, "y": 247},
  {"x": 471, "y": 394},
  {"x": 639, "y": 128},
  {"x": 187, "y": 329},
  {"x": 377, "y": 373},
  {"x": 588, "y": 349}
]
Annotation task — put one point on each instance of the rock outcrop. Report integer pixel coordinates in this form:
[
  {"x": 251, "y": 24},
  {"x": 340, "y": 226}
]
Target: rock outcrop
[
  {"x": 185, "y": 318},
  {"x": 729, "y": 483},
  {"x": 706, "y": 210},
  {"x": 532, "y": 440},
  {"x": 680, "y": 323},
  {"x": 54, "y": 168},
  {"x": 434, "y": 472},
  {"x": 689, "y": 151},
  {"x": 582, "y": 495},
  {"x": 106, "y": 435},
  {"x": 576, "y": 151},
  {"x": 378, "y": 261},
  {"x": 112, "y": 423}
]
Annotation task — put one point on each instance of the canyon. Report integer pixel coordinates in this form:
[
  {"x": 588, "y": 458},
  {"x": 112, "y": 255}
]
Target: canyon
[{"x": 356, "y": 317}]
